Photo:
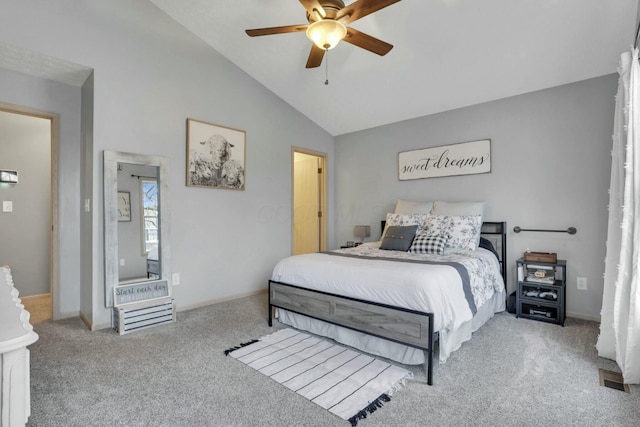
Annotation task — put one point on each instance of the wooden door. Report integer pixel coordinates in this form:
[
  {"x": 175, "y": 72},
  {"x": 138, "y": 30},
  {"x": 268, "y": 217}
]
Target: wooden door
[{"x": 308, "y": 211}]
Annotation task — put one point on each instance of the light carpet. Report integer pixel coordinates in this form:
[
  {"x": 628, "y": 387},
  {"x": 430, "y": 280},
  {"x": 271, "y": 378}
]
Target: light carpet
[{"x": 347, "y": 383}]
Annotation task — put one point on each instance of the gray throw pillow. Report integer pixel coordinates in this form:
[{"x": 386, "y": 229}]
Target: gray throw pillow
[{"x": 399, "y": 238}]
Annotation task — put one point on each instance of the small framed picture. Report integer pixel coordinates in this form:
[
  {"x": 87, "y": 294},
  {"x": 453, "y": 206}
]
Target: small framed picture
[
  {"x": 124, "y": 206},
  {"x": 215, "y": 156}
]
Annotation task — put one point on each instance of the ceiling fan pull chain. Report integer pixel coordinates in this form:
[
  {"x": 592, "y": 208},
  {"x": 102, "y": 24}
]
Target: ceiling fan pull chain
[{"x": 326, "y": 68}]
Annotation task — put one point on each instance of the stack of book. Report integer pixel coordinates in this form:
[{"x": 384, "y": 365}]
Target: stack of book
[{"x": 545, "y": 274}]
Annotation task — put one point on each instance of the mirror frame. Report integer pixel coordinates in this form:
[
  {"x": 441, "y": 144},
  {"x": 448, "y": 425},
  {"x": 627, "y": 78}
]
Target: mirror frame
[{"x": 110, "y": 205}]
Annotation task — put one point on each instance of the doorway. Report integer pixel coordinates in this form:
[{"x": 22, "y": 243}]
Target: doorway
[
  {"x": 309, "y": 201},
  {"x": 26, "y": 146}
]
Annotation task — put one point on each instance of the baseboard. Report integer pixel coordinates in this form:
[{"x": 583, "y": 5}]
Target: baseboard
[
  {"x": 67, "y": 315},
  {"x": 90, "y": 325},
  {"x": 97, "y": 327},
  {"x": 219, "y": 300},
  {"x": 101, "y": 326},
  {"x": 36, "y": 297},
  {"x": 584, "y": 317},
  {"x": 86, "y": 321}
]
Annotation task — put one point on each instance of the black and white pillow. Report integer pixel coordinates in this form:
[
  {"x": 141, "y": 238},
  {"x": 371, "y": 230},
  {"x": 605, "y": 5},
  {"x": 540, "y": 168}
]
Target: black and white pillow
[
  {"x": 406, "y": 219},
  {"x": 425, "y": 244},
  {"x": 462, "y": 231},
  {"x": 465, "y": 233}
]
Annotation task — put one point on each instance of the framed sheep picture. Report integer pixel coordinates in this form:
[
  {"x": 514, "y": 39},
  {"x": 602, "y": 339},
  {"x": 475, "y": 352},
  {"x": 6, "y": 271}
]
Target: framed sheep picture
[{"x": 215, "y": 156}]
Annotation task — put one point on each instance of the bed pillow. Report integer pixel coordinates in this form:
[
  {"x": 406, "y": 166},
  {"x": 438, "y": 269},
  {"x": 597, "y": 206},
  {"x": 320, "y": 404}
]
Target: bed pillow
[
  {"x": 405, "y": 219},
  {"x": 437, "y": 225},
  {"x": 398, "y": 238},
  {"x": 424, "y": 244},
  {"x": 464, "y": 234},
  {"x": 413, "y": 207},
  {"x": 458, "y": 208}
]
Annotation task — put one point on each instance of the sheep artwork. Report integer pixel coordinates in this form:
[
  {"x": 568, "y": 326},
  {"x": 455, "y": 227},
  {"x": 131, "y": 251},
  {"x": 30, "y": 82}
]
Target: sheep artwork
[
  {"x": 206, "y": 162},
  {"x": 200, "y": 170},
  {"x": 233, "y": 174}
]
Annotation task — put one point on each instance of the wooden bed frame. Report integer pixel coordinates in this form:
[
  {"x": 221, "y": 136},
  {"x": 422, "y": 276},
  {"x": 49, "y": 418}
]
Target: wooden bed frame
[{"x": 401, "y": 325}]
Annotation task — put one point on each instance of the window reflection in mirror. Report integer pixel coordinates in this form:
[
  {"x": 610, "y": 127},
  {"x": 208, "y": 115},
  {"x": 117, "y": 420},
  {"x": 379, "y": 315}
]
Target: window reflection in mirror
[
  {"x": 139, "y": 238},
  {"x": 150, "y": 225},
  {"x": 149, "y": 209}
]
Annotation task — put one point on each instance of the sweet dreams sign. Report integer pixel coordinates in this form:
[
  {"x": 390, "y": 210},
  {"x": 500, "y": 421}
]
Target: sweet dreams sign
[{"x": 466, "y": 158}]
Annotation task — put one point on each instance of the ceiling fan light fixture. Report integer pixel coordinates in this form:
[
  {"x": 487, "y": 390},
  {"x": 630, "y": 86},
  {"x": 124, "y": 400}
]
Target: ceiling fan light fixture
[{"x": 326, "y": 33}]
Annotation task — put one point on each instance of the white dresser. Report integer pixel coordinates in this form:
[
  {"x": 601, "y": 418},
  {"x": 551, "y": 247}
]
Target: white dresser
[{"x": 16, "y": 333}]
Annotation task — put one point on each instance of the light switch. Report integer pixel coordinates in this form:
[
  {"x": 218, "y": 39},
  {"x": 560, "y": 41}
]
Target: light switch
[{"x": 7, "y": 206}]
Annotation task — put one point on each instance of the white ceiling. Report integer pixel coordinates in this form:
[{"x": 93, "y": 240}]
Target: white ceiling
[
  {"x": 447, "y": 53},
  {"x": 40, "y": 65}
]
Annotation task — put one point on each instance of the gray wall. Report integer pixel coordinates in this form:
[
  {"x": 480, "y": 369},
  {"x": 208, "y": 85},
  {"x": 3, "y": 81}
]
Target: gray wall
[
  {"x": 550, "y": 164},
  {"x": 86, "y": 189},
  {"x": 25, "y": 146},
  {"x": 150, "y": 75}
]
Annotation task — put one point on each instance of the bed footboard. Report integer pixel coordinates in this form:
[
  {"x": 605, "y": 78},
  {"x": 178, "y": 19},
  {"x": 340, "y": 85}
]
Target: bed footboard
[{"x": 408, "y": 327}]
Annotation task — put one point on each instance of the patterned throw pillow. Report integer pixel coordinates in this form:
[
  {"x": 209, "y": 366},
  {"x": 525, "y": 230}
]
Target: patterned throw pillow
[
  {"x": 465, "y": 233},
  {"x": 394, "y": 219},
  {"x": 437, "y": 225},
  {"x": 425, "y": 244}
]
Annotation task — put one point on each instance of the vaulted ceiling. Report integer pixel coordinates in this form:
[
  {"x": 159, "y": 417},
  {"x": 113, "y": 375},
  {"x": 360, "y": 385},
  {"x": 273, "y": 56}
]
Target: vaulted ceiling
[{"x": 447, "y": 53}]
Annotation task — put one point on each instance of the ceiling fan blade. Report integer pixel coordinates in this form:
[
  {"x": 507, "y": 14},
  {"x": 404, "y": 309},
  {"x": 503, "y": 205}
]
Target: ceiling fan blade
[
  {"x": 276, "y": 30},
  {"x": 315, "y": 57},
  {"x": 360, "y": 9},
  {"x": 312, "y": 6},
  {"x": 367, "y": 42}
]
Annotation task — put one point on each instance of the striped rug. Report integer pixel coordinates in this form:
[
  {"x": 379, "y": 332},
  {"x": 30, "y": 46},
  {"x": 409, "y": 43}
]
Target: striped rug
[{"x": 347, "y": 383}]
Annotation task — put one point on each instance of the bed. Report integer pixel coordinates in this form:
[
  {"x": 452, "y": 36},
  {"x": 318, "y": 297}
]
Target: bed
[{"x": 394, "y": 303}]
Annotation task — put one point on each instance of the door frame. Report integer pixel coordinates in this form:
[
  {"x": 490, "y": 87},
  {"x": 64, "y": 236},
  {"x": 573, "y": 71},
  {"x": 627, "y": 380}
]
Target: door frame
[
  {"x": 323, "y": 193},
  {"x": 54, "y": 241}
]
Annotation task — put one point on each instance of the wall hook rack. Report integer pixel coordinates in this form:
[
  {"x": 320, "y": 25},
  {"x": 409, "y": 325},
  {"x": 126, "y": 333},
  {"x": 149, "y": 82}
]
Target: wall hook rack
[{"x": 570, "y": 230}]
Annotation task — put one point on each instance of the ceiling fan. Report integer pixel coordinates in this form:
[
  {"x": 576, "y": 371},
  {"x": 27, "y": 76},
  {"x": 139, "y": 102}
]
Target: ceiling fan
[{"x": 327, "y": 26}]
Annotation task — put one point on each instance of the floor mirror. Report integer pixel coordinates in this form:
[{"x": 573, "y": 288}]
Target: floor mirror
[{"x": 136, "y": 224}]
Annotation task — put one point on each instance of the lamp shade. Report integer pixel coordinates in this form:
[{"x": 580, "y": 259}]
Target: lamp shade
[
  {"x": 362, "y": 231},
  {"x": 326, "y": 33}
]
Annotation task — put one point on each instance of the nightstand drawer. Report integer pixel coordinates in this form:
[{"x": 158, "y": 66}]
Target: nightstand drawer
[{"x": 540, "y": 312}]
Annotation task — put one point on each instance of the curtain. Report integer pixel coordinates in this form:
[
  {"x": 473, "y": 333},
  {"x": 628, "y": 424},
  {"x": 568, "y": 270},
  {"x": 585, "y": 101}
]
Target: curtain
[{"x": 620, "y": 317}]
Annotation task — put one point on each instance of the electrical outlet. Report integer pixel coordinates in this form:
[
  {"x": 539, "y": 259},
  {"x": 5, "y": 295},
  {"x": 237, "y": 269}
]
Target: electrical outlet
[
  {"x": 122, "y": 262},
  {"x": 175, "y": 279},
  {"x": 582, "y": 283}
]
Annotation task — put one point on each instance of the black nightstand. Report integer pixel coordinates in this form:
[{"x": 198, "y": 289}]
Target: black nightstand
[{"x": 541, "y": 290}]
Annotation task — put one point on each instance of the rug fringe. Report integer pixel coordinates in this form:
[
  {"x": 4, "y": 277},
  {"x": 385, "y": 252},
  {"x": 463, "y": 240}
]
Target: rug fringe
[
  {"x": 370, "y": 409},
  {"x": 238, "y": 347},
  {"x": 400, "y": 384}
]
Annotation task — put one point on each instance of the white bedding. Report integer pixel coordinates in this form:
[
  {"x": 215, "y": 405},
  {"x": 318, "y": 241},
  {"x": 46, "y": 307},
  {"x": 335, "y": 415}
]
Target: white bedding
[{"x": 424, "y": 287}]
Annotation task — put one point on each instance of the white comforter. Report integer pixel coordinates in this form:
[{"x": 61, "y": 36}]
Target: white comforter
[{"x": 423, "y": 287}]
